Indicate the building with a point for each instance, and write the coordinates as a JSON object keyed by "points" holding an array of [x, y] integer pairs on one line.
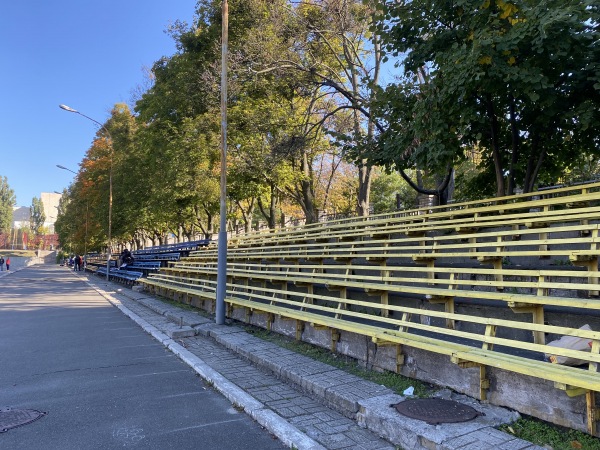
{"points": [[50, 200], [22, 214]]}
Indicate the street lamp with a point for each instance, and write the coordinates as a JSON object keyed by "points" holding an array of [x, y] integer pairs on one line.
{"points": [[222, 249], [65, 168], [110, 196]]}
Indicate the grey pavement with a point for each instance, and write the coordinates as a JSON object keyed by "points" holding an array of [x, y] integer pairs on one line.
{"points": [[102, 380], [16, 263], [306, 404]]}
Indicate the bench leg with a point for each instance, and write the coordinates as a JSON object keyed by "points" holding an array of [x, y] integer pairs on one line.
{"points": [[537, 313], [484, 382], [591, 264], [593, 413], [335, 338], [299, 329], [399, 354]]}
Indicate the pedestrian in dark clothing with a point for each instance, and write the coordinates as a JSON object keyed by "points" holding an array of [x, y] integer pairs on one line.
{"points": [[126, 258], [1, 263], [77, 267]]}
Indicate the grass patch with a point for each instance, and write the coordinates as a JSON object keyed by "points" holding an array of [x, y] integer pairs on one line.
{"points": [[545, 434], [398, 383], [186, 307]]}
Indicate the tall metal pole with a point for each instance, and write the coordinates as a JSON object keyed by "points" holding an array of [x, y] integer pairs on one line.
{"points": [[110, 196], [87, 215], [222, 251]]}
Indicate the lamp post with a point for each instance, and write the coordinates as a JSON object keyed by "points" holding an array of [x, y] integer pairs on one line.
{"points": [[65, 168], [110, 196], [222, 250]]}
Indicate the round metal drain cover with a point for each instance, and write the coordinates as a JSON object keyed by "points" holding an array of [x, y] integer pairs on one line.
{"points": [[13, 418], [436, 410]]}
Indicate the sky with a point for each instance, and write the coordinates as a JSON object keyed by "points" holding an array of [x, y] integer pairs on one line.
{"points": [[87, 55]]}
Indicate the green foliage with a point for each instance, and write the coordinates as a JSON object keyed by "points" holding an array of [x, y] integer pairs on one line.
{"points": [[544, 434], [7, 201], [518, 78], [37, 216], [384, 190]]}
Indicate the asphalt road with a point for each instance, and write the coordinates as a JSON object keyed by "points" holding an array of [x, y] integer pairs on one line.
{"points": [[103, 381]]}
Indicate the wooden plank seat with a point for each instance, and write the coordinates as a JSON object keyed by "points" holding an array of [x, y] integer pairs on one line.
{"points": [[295, 301], [169, 256], [96, 261], [319, 312], [124, 276], [180, 247], [417, 280], [520, 223], [101, 270], [146, 267], [476, 211], [180, 289], [484, 246], [369, 275], [524, 291]]}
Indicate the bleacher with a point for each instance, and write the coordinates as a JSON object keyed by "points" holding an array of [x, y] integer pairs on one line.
{"points": [[146, 261], [418, 279], [128, 277]]}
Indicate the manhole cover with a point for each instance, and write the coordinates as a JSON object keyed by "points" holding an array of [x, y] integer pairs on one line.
{"points": [[12, 418], [436, 410]]}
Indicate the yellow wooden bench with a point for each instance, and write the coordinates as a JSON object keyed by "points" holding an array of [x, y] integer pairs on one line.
{"points": [[341, 314], [575, 198], [312, 275]]}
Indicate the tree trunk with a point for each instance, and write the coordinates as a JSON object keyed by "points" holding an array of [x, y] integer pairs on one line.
{"points": [[498, 168], [308, 192], [270, 215], [273, 209], [515, 147], [534, 163], [364, 190]]}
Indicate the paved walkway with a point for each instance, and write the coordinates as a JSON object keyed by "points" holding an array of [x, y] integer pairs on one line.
{"points": [[99, 379], [305, 403], [16, 263]]}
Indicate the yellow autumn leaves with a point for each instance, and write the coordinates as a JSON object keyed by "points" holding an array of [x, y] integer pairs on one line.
{"points": [[507, 11]]}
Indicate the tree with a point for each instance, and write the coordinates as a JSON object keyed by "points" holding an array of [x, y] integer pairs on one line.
{"points": [[520, 79], [7, 202], [390, 191], [333, 46], [36, 216]]}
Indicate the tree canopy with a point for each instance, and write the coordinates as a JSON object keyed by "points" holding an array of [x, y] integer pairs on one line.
{"points": [[518, 79], [7, 202], [489, 96], [36, 216]]}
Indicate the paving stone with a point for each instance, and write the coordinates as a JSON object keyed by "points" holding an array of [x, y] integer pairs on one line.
{"points": [[280, 380]]}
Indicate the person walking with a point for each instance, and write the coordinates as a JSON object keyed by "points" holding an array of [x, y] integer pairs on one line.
{"points": [[7, 263], [77, 267], [1, 263]]}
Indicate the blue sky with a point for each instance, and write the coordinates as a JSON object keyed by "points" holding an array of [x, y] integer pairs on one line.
{"points": [[87, 55]]}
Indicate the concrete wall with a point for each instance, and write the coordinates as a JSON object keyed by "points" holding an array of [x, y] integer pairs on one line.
{"points": [[525, 394]]}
